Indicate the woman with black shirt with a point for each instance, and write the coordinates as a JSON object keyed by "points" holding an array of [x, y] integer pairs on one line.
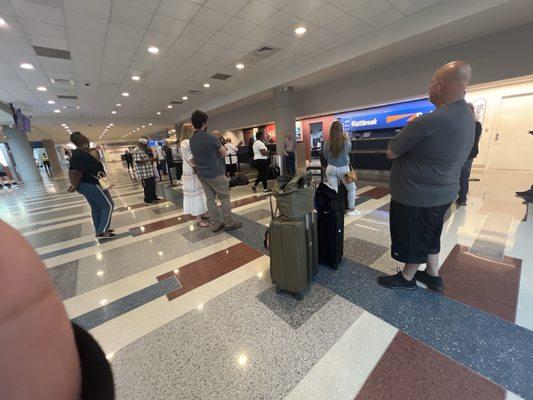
{"points": [[83, 174]]}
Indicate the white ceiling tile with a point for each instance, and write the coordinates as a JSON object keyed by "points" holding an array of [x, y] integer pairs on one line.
{"points": [[125, 31], [262, 34], [211, 49], [234, 54], [147, 5], [280, 21], [317, 35], [412, 6], [282, 40], [377, 13], [43, 29], [167, 25], [256, 12], [246, 45], [187, 44], [118, 43], [131, 16], [158, 39], [77, 39], [238, 27], [228, 7], [211, 19], [46, 41], [197, 32], [51, 65], [333, 42], [346, 5], [95, 8], [325, 15], [202, 59], [6, 9], [349, 27], [302, 8], [84, 22], [38, 12], [180, 9], [276, 3], [224, 39]]}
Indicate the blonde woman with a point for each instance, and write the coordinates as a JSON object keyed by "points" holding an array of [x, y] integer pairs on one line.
{"points": [[337, 153], [194, 201]]}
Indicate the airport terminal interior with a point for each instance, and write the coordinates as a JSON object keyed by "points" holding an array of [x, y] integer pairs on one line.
{"points": [[179, 311]]}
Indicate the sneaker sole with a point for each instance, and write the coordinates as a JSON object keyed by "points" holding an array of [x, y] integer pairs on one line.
{"points": [[398, 287]]}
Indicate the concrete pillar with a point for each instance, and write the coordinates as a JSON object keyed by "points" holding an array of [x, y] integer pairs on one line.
{"points": [[285, 116], [51, 152], [22, 154]]}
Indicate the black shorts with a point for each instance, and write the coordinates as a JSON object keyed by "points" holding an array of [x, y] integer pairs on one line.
{"points": [[415, 231]]}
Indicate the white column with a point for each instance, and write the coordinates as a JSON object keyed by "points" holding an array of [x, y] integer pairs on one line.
{"points": [[51, 152], [285, 117], [22, 154]]}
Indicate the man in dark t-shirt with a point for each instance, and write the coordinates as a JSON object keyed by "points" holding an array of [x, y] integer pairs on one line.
{"points": [[467, 167], [208, 155]]}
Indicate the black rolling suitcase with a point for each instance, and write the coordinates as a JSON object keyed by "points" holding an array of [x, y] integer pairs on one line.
{"points": [[330, 225]]}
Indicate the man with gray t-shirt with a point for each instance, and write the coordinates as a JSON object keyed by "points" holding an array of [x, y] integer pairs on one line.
{"points": [[208, 154], [428, 156]]}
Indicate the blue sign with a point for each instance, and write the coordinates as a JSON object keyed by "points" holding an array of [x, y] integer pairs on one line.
{"points": [[389, 116]]}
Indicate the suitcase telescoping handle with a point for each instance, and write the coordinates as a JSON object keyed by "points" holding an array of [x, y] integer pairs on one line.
{"points": [[266, 239]]}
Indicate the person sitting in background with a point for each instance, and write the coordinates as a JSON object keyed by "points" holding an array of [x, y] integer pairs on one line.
{"points": [[231, 158], [260, 161], [337, 154], [428, 155], [208, 154], [144, 168], [194, 200], [290, 157], [83, 174], [467, 167]]}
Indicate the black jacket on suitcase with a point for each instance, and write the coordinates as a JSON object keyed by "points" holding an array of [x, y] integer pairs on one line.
{"points": [[330, 223]]}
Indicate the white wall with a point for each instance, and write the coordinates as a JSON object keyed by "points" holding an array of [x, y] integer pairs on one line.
{"points": [[497, 56]]}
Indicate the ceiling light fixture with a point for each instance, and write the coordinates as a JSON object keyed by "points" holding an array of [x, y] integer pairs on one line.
{"points": [[57, 110], [143, 126], [111, 124], [150, 124], [113, 112], [63, 125], [207, 85], [239, 66], [51, 102], [136, 78], [185, 98], [169, 106], [3, 23], [42, 88], [300, 30], [26, 66], [158, 113], [118, 104], [153, 50], [125, 94]]}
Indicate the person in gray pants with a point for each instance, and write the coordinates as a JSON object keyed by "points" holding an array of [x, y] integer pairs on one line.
{"points": [[208, 158]]}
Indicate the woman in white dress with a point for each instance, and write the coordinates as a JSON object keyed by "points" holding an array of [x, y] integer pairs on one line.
{"points": [[194, 202]]}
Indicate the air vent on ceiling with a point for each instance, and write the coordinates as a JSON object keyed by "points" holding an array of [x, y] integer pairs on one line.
{"points": [[52, 53], [176, 102], [265, 51], [221, 77], [67, 97], [193, 91], [61, 81]]}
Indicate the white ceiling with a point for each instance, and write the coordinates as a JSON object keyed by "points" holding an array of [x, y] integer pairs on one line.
{"points": [[108, 42]]}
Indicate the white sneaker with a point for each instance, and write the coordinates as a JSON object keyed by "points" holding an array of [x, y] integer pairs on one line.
{"points": [[354, 213]]}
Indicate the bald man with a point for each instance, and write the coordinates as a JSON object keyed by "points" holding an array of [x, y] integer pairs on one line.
{"points": [[428, 155]]}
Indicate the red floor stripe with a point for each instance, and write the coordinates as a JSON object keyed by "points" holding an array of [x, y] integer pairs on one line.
{"points": [[487, 284], [377, 193], [200, 272], [411, 370]]}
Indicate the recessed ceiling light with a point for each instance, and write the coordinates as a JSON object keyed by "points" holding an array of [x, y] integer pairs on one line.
{"points": [[185, 98], [63, 124], [206, 85], [153, 50], [3, 22], [138, 129], [42, 88], [136, 78], [78, 107], [239, 66], [143, 126], [113, 112], [158, 113], [57, 110], [169, 106], [300, 30], [26, 66], [125, 94], [118, 104], [51, 102], [150, 124], [111, 124]]}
